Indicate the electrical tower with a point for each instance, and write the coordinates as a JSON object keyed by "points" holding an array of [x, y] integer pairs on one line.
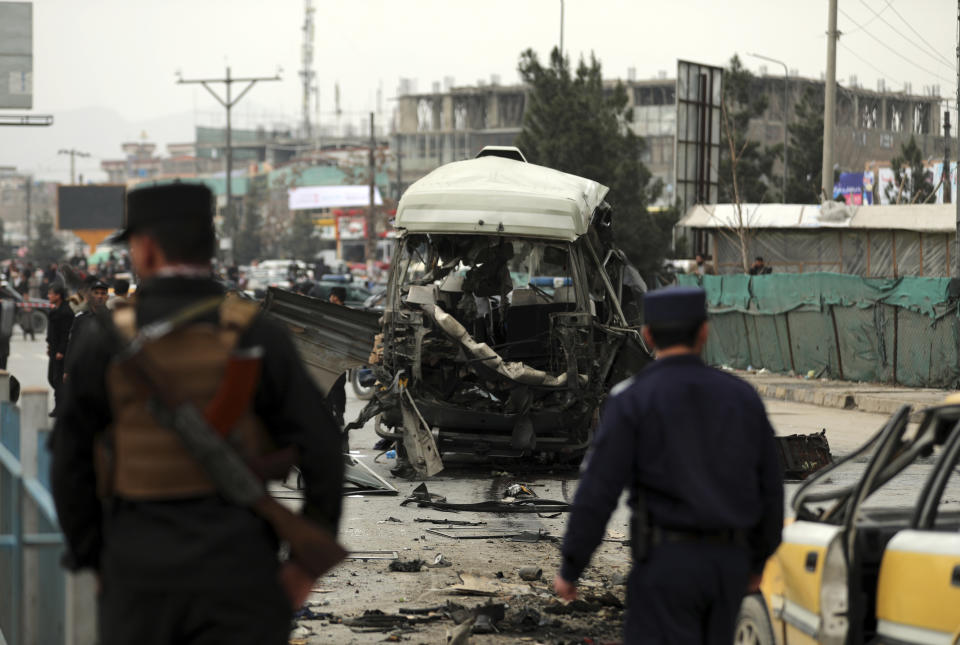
{"points": [[307, 75]]}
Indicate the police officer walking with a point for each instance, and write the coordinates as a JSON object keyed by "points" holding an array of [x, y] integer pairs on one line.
{"points": [[694, 448], [176, 560]]}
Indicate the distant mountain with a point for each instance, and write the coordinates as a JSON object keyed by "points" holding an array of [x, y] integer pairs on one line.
{"points": [[97, 130]]}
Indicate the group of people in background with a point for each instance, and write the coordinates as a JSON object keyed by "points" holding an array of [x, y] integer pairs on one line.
{"points": [[705, 267]]}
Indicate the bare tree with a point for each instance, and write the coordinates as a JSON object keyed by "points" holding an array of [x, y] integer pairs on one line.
{"points": [[739, 227]]}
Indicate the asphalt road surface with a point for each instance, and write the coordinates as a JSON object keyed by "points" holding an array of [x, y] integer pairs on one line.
{"points": [[378, 522]]}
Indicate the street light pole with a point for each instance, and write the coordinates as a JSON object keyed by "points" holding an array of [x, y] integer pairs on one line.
{"points": [[561, 28], [786, 120], [829, 104], [228, 103]]}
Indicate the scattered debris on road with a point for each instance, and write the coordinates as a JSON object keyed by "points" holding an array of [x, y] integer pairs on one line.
{"points": [[407, 566], [424, 499]]}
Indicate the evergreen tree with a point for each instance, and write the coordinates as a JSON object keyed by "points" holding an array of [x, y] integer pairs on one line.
{"points": [[912, 182], [46, 247], [576, 125], [743, 100], [806, 150], [303, 243], [249, 243]]}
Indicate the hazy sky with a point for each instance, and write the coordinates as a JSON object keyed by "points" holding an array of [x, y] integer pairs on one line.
{"points": [[123, 54]]}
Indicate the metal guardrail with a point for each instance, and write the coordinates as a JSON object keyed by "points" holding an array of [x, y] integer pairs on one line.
{"points": [[40, 603], [14, 496]]}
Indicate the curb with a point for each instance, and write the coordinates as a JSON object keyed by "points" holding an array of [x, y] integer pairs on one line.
{"points": [[839, 399]]}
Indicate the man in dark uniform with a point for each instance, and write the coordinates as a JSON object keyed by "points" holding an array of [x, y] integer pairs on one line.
{"points": [[696, 450], [59, 322], [94, 292], [177, 562]]}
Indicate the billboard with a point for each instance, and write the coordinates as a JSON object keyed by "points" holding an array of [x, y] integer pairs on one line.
{"points": [[697, 158], [16, 55], [91, 208], [339, 196]]}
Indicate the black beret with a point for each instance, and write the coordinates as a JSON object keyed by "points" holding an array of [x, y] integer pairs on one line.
{"points": [[675, 305], [167, 202]]}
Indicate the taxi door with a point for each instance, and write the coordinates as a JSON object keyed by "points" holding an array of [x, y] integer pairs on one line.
{"points": [[802, 556], [918, 592]]}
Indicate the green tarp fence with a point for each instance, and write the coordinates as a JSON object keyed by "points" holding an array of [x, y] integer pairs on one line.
{"points": [[900, 330]]}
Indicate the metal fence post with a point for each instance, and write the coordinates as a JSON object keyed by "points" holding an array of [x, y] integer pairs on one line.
{"points": [[33, 418], [81, 609]]}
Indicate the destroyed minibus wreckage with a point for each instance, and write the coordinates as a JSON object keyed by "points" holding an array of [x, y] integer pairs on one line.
{"points": [[509, 315]]}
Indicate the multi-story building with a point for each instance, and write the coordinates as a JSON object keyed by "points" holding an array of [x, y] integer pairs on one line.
{"points": [[21, 199], [441, 126]]}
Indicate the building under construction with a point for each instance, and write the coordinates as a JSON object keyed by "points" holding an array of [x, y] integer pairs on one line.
{"points": [[454, 123]]}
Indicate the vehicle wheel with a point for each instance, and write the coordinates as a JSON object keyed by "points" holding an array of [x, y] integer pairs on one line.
{"points": [[39, 321], [363, 393], [753, 623]]}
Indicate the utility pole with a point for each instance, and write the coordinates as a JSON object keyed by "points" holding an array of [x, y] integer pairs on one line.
{"points": [[228, 103], [306, 72], [786, 120], [829, 105], [73, 161], [29, 206], [945, 175], [371, 250], [561, 28]]}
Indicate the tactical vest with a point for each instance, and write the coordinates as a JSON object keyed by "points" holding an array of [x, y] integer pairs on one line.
{"points": [[149, 461]]}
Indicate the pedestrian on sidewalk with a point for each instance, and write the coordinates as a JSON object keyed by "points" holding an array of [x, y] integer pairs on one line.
{"points": [[8, 314], [695, 450], [177, 562], [59, 322]]}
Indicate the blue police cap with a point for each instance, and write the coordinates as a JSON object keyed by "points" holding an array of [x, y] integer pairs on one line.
{"points": [[675, 306]]}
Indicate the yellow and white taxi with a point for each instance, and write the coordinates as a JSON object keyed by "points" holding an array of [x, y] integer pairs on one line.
{"points": [[873, 554]]}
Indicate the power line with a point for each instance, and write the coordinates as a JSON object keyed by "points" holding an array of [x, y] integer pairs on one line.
{"points": [[935, 56], [868, 63], [894, 51], [869, 22], [910, 27]]}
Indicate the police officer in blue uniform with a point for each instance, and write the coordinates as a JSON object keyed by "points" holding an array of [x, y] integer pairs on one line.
{"points": [[695, 449]]}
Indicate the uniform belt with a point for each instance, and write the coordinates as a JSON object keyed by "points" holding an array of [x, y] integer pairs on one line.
{"points": [[733, 537]]}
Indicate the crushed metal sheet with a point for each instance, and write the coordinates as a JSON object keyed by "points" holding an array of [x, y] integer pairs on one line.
{"points": [[358, 479], [471, 533], [373, 555], [529, 536], [365, 479], [472, 584], [424, 499], [427, 520]]}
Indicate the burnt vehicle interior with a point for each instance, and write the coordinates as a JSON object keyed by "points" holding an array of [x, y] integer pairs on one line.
{"points": [[896, 457], [506, 344]]}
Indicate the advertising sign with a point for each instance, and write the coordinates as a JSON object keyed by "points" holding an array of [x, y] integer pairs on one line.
{"points": [[697, 158], [16, 55]]}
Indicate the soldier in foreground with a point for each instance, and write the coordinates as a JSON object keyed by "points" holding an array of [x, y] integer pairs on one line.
{"points": [[695, 449], [177, 560]]}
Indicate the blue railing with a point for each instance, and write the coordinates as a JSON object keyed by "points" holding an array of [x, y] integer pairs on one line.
{"points": [[33, 587]]}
